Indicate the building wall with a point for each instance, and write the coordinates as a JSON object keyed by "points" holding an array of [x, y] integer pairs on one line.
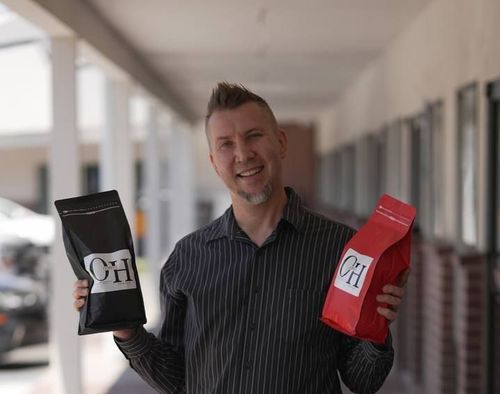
{"points": [[18, 173], [19, 166], [452, 43], [299, 164]]}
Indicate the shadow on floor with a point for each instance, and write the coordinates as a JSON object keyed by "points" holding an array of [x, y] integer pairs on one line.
{"points": [[130, 383]]}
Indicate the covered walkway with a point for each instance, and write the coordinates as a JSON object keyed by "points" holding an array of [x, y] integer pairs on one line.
{"points": [[389, 96]]}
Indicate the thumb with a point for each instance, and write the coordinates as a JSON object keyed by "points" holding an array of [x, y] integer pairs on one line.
{"points": [[403, 278]]}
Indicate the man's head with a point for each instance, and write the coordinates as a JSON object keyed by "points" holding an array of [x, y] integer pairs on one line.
{"points": [[230, 96], [246, 145]]}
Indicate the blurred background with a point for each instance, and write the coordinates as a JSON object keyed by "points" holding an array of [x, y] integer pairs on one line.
{"points": [[385, 96]]}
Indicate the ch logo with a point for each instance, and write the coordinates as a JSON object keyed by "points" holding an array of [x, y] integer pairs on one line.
{"points": [[110, 271], [352, 271], [101, 273]]}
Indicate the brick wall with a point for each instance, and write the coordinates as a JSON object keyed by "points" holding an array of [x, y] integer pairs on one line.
{"points": [[414, 315], [438, 351], [496, 365], [469, 322]]}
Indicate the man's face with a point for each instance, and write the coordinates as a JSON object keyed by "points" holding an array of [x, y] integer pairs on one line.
{"points": [[246, 149]]}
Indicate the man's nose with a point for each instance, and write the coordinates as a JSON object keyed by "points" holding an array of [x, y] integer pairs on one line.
{"points": [[243, 152]]}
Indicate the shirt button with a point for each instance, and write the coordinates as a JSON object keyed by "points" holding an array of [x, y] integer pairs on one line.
{"points": [[252, 326]]}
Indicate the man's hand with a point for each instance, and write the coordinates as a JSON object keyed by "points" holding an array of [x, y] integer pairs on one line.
{"points": [[80, 293], [392, 296]]}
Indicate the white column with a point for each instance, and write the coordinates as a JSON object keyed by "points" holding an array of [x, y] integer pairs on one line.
{"points": [[181, 171], [64, 176], [164, 154], [116, 153], [153, 207]]}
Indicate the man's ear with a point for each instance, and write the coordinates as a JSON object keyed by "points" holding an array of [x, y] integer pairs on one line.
{"points": [[212, 161], [283, 141]]}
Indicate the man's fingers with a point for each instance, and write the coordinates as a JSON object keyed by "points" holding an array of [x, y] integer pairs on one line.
{"points": [[81, 283], [392, 297], [78, 304], [390, 300], [403, 278], [389, 314], [394, 290], [80, 292]]}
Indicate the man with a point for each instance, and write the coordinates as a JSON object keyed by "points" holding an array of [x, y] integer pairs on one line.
{"points": [[241, 297]]}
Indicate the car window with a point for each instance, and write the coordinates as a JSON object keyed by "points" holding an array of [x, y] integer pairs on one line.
{"points": [[10, 210]]}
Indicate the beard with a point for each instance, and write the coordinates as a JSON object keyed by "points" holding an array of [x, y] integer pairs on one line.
{"points": [[257, 198]]}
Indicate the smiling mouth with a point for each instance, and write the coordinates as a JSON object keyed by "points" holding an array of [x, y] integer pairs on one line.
{"points": [[250, 172]]}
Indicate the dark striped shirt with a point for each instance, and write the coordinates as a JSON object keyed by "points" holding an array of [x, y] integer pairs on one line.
{"points": [[238, 318]]}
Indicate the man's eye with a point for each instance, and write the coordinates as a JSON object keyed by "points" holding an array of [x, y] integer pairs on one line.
{"points": [[254, 135], [225, 144]]}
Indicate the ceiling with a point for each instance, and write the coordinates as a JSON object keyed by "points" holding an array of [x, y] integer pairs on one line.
{"points": [[299, 55], [16, 31]]}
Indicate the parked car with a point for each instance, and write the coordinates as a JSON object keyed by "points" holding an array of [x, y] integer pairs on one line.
{"points": [[23, 312], [25, 240], [19, 256], [17, 220]]}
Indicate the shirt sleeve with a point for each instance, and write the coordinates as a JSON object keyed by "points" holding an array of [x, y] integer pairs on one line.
{"points": [[363, 365], [159, 360]]}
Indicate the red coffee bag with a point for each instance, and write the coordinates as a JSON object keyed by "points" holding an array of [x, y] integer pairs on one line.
{"points": [[374, 257]]}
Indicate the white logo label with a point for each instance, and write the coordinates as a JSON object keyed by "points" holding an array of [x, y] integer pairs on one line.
{"points": [[352, 272], [110, 271]]}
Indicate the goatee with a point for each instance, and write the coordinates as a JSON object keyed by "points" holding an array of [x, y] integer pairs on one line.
{"points": [[257, 198]]}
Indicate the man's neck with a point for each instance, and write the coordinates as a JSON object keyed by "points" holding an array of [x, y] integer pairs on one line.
{"points": [[259, 221]]}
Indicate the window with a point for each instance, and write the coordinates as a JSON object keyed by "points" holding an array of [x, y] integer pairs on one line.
{"points": [[43, 191], [435, 114], [348, 178], [422, 125], [376, 169], [90, 179], [467, 165], [325, 179], [380, 165], [393, 160], [415, 171], [369, 155], [493, 245], [337, 179], [361, 177], [427, 137]]}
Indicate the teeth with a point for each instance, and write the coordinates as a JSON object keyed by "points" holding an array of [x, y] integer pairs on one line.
{"points": [[250, 172]]}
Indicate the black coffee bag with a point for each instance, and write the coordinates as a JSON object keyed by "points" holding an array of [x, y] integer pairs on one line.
{"points": [[99, 247]]}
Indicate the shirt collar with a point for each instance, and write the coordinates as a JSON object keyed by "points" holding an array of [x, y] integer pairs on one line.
{"points": [[294, 210], [293, 214]]}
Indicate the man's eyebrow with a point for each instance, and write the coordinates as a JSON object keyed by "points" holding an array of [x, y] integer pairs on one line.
{"points": [[228, 137], [223, 137], [252, 130]]}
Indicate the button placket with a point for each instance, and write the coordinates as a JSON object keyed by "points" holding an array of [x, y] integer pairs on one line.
{"points": [[255, 288]]}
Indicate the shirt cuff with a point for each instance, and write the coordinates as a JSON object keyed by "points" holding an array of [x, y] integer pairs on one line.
{"points": [[136, 346], [372, 347]]}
